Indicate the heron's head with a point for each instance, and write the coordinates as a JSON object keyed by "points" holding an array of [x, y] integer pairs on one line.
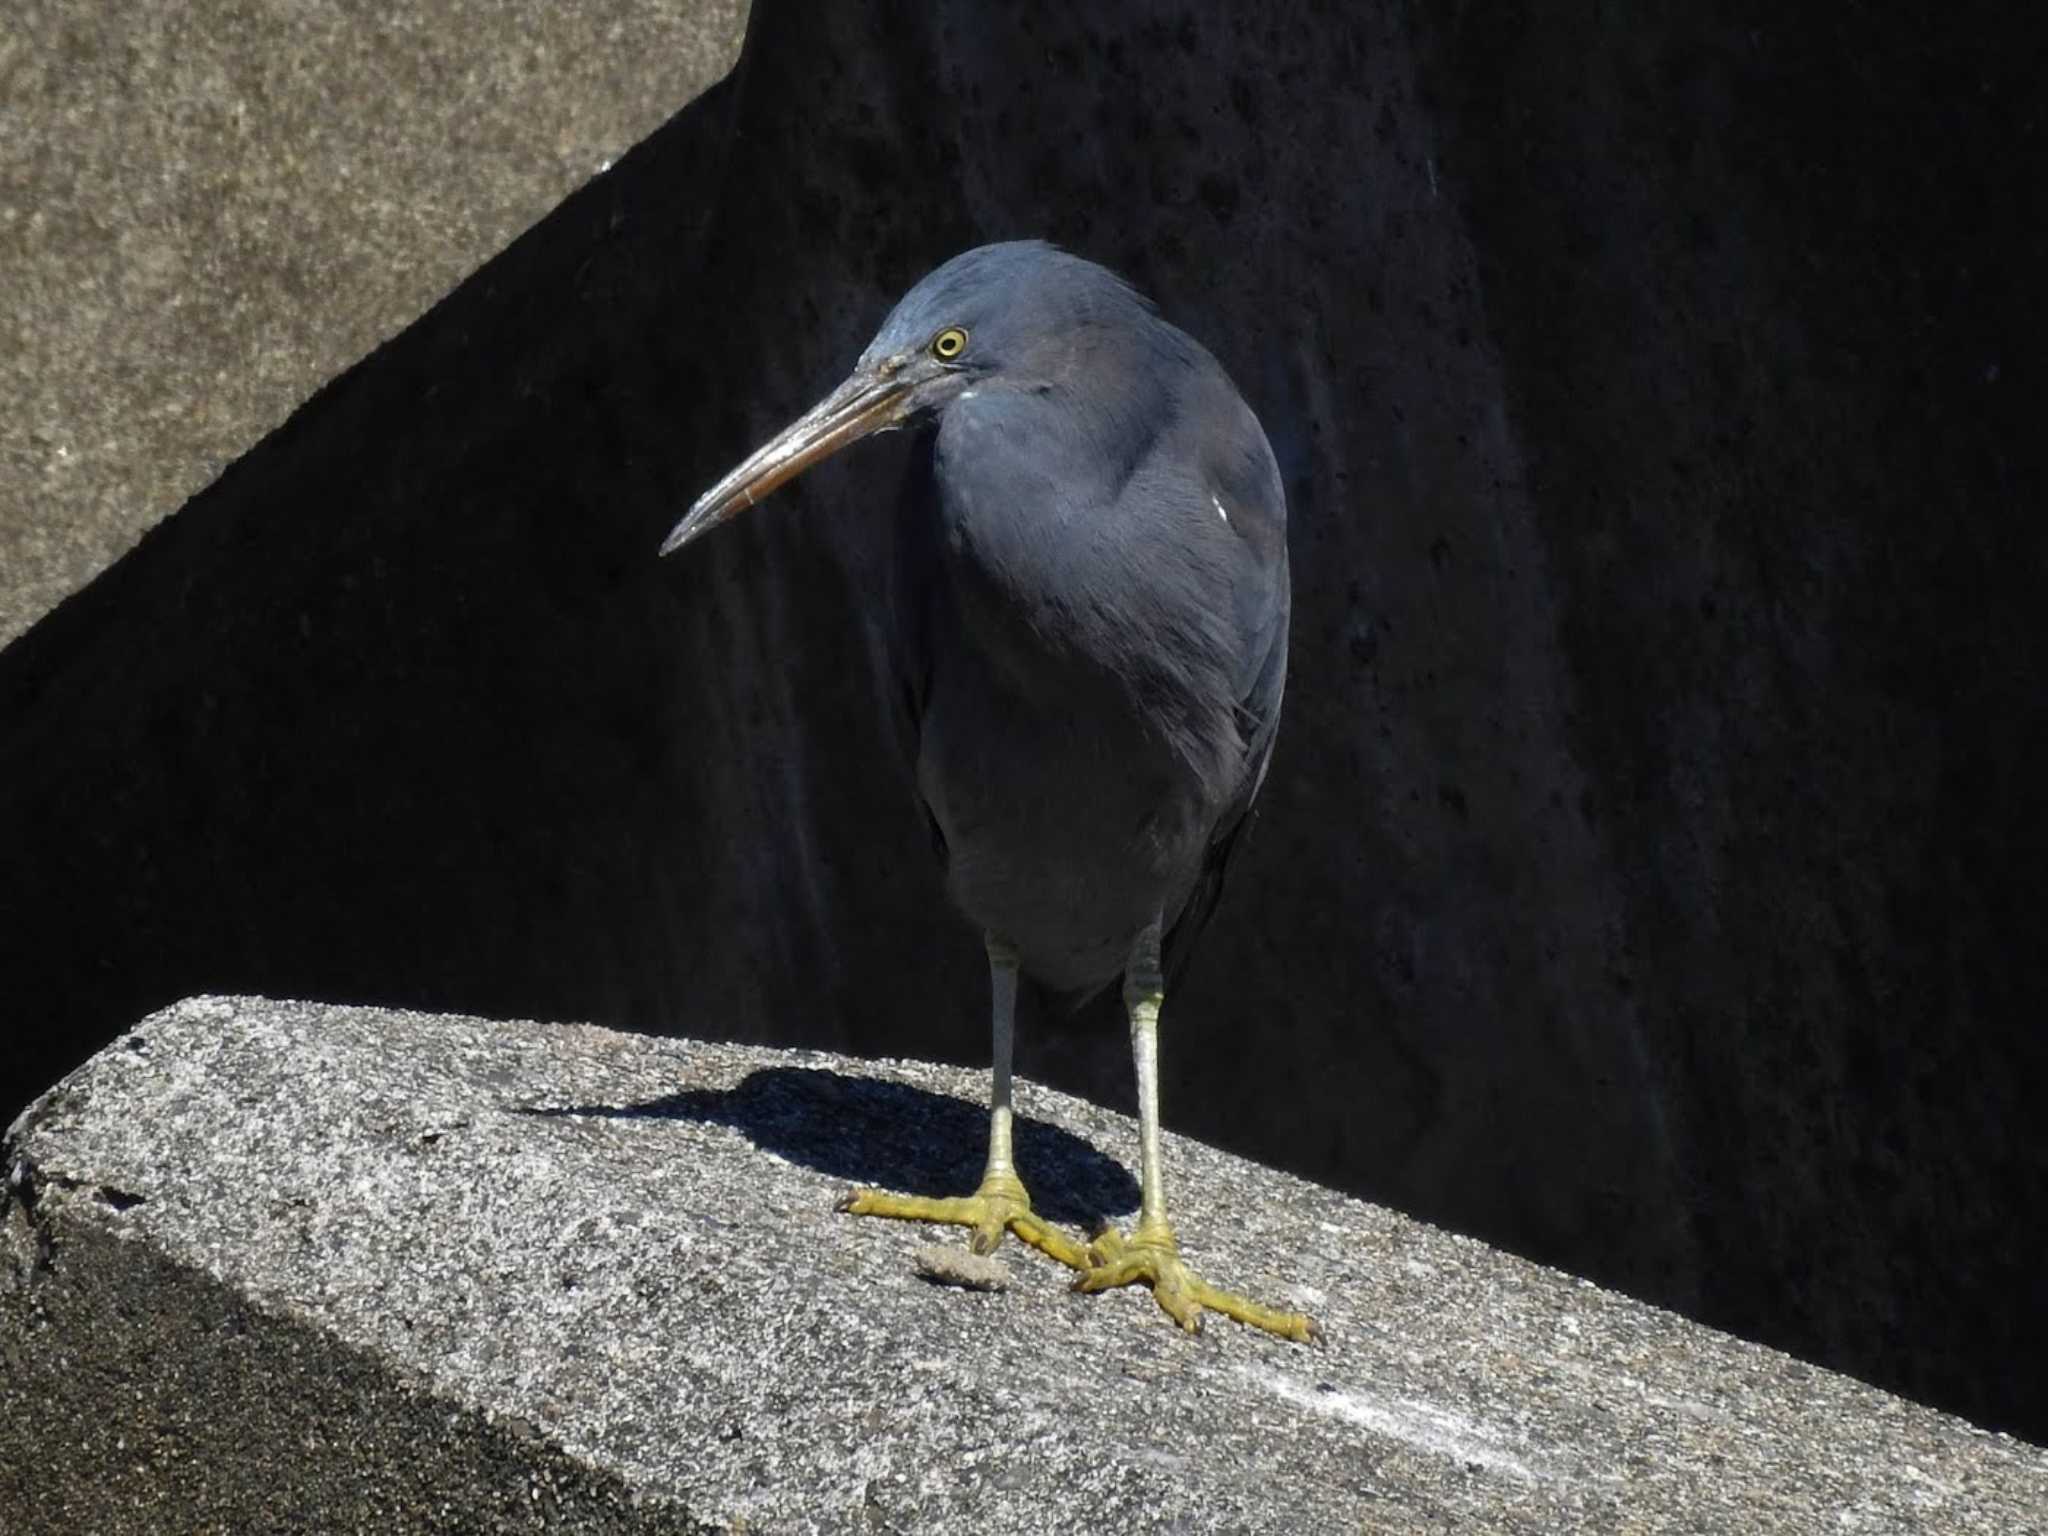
{"points": [[995, 311]]}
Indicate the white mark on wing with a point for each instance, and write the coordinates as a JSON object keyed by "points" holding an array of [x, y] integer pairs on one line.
{"points": [[1219, 509]]}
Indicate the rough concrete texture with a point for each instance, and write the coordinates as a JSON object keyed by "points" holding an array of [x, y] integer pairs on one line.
{"points": [[207, 210], [271, 1264], [1648, 876]]}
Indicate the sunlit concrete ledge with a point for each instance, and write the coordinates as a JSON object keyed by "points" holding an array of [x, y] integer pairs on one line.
{"points": [[282, 1265]]}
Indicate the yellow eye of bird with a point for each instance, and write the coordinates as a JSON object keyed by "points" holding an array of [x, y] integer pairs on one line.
{"points": [[949, 343]]}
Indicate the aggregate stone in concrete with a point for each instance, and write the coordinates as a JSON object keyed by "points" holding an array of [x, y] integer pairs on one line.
{"points": [[274, 1265]]}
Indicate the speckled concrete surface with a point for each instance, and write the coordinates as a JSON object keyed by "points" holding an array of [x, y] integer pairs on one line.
{"points": [[208, 209], [474, 1275]]}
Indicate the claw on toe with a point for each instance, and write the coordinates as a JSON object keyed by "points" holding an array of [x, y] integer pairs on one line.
{"points": [[1150, 1256]]}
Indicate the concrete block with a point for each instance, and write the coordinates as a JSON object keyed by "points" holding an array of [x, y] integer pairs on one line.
{"points": [[281, 1265], [207, 211]]}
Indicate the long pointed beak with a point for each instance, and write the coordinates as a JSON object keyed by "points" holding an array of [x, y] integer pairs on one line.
{"points": [[867, 402]]}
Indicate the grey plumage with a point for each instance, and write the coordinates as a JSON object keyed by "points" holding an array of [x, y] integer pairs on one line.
{"points": [[1090, 610]]}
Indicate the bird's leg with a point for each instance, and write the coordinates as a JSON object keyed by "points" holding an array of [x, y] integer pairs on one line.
{"points": [[1000, 1203], [1150, 1254]]}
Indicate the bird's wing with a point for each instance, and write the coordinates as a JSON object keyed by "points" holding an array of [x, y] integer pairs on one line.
{"points": [[1252, 502]]}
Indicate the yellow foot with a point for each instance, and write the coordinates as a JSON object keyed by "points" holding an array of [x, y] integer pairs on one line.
{"points": [[1152, 1256], [1000, 1205]]}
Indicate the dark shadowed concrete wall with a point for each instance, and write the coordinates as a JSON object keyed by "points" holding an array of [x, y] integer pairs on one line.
{"points": [[1645, 877]]}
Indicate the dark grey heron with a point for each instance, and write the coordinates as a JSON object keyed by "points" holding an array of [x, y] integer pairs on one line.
{"points": [[1090, 633]]}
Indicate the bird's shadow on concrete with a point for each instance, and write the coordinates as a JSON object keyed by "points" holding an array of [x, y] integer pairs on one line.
{"points": [[889, 1135]]}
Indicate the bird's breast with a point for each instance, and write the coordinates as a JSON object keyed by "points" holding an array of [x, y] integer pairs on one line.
{"points": [[1068, 824]]}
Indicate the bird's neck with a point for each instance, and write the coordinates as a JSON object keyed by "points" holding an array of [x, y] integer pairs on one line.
{"points": [[1023, 486]]}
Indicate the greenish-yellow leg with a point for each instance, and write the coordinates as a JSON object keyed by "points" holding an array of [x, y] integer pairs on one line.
{"points": [[1150, 1255], [1000, 1203]]}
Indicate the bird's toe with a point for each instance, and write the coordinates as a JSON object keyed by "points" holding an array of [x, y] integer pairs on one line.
{"points": [[1150, 1256], [1000, 1205]]}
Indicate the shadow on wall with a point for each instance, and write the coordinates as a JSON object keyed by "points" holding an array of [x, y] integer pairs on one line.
{"points": [[1640, 876]]}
